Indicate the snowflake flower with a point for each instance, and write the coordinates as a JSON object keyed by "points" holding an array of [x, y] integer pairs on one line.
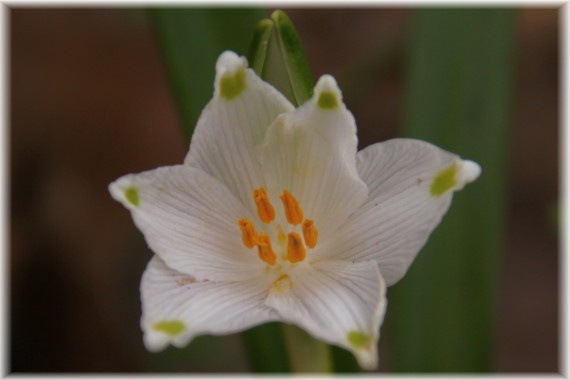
{"points": [[274, 216]]}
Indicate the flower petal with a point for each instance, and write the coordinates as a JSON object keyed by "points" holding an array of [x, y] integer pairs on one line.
{"points": [[190, 220], [312, 154], [411, 184], [177, 307], [338, 302], [234, 121]]}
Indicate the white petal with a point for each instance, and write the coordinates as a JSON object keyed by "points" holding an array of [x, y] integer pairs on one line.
{"points": [[177, 307], [312, 154], [190, 220], [338, 302], [411, 185], [229, 128]]}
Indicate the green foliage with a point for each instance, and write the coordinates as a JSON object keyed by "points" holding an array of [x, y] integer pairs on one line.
{"points": [[441, 315], [279, 58]]}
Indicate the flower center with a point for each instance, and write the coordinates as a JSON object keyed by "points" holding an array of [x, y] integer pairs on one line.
{"points": [[293, 247]]}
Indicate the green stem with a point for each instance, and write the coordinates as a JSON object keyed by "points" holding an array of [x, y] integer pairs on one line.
{"points": [[306, 354]]}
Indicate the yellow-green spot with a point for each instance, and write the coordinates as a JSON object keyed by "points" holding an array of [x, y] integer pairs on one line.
{"points": [[444, 181], [132, 195], [171, 328], [232, 85], [359, 339], [327, 100]]}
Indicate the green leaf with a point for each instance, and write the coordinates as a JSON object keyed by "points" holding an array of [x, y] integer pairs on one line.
{"points": [[278, 57], [442, 314], [257, 54], [190, 40]]}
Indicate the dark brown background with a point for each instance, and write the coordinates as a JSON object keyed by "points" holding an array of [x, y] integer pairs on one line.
{"points": [[89, 102]]}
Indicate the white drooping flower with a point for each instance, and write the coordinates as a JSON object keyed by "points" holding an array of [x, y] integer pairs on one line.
{"points": [[274, 216]]}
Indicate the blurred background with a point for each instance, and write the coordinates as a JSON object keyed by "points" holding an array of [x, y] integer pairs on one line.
{"points": [[90, 101]]}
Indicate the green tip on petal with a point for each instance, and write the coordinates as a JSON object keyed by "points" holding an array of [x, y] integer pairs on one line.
{"points": [[327, 100], [232, 85], [170, 328], [444, 181], [359, 339], [132, 195]]}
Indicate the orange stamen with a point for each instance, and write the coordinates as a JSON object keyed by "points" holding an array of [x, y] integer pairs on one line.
{"points": [[264, 208], [248, 234], [264, 249], [293, 211], [310, 233], [295, 248]]}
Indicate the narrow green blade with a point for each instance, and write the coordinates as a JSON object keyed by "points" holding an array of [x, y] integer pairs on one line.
{"points": [[442, 314], [191, 39], [257, 54], [285, 65]]}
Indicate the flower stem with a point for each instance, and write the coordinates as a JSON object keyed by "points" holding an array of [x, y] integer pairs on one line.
{"points": [[306, 354]]}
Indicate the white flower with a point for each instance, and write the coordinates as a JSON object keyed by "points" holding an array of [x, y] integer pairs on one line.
{"points": [[274, 216]]}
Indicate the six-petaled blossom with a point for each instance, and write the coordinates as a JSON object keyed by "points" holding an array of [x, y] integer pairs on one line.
{"points": [[274, 216]]}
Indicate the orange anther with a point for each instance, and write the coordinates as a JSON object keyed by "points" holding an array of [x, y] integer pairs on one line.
{"points": [[264, 208], [293, 211], [264, 249], [295, 248], [248, 234], [310, 233]]}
